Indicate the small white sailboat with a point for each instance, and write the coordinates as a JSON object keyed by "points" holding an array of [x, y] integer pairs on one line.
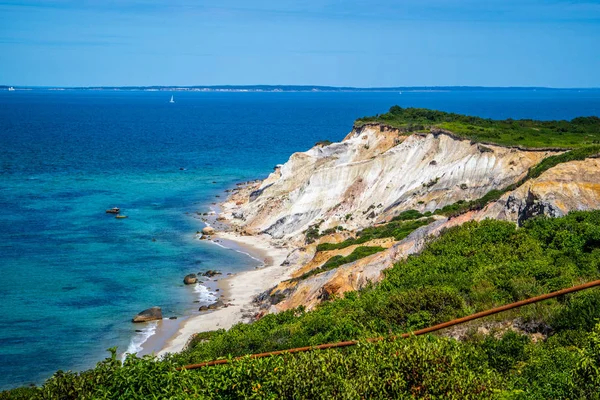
{"points": [[11, 89], [171, 101]]}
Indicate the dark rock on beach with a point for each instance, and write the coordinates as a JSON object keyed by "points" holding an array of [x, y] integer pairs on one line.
{"points": [[210, 273], [150, 314], [215, 305], [190, 279]]}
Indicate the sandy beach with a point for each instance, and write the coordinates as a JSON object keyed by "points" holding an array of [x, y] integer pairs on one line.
{"points": [[238, 290]]}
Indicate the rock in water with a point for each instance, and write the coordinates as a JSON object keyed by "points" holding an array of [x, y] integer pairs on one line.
{"points": [[190, 279], [150, 314], [208, 230]]}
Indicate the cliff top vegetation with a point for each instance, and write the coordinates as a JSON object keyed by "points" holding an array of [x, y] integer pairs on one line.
{"points": [[577, 132]]}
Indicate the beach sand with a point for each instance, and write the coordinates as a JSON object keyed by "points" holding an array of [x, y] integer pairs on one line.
{"points": [[239, 289]]}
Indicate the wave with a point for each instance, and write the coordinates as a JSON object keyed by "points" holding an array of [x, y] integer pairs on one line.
{"points": [[204, 295], [140, 338]]}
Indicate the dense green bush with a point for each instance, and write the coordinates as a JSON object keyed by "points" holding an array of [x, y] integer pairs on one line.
{"points": [[411, 214], [530, 133], [485, 264], [476, 266], [417, 367]]}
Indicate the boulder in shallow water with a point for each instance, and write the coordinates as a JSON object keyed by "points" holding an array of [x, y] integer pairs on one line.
{"points": [[208, 230], [210, 273], [150, 314], [190, 279]]}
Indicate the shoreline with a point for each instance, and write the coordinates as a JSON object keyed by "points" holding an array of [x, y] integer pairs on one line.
{"points": [[238, 290]]}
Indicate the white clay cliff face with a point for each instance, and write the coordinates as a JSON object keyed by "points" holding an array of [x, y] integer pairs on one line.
{"points": [[374, 175]]}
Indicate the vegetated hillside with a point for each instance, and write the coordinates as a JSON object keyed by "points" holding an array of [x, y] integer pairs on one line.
{"points": [[469, 268], [353, 189], [565, 181], [527, 133]]}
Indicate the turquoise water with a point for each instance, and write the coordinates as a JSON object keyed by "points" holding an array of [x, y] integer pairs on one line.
{"points": [[72, 276]]}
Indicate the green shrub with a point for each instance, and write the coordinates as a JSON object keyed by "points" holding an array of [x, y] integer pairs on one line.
{"points": [[468, 268], [407, 215], [395, 229], [530, 133]]}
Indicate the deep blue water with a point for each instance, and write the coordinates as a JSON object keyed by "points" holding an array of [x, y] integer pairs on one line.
{"points": [[71, 276]]}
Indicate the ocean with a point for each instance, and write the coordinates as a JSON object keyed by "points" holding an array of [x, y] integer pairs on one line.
{"points": [[72, 276]]}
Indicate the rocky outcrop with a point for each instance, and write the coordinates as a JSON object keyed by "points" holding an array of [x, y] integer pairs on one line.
{"points": [[149, 314], [371, 176], [190, 279], [570, 186], [208, 230]]}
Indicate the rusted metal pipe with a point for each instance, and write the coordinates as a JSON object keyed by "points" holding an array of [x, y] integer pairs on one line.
{"points": [[434, 328]]}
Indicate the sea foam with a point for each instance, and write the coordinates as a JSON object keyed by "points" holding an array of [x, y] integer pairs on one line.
{"points": [[205, 297], [135, 345]]}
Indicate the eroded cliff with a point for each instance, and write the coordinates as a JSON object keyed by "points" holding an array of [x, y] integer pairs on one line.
{"points": [[373, 175]]}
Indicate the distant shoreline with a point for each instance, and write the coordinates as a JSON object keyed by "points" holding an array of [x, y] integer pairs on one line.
{"points": [[288, 88]]}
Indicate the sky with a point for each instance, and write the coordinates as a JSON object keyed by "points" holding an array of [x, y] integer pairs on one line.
{"points": [[361, 43]]}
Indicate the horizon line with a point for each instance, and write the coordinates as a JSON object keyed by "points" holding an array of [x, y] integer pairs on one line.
{"points": [[282, 86]]}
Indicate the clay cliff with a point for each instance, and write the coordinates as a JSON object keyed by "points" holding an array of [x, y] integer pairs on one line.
{"points": [[373, 175]]}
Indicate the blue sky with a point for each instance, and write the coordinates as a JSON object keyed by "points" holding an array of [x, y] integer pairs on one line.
{"points": [[361, 43]]}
